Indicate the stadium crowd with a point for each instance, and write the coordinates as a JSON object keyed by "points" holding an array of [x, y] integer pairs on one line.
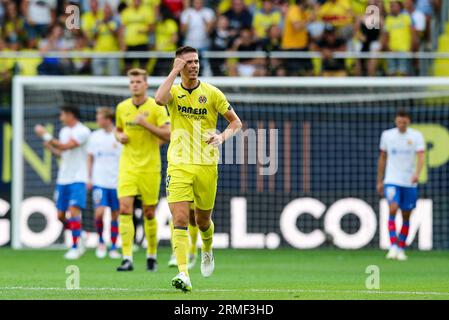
{"points": [[326, 26]]}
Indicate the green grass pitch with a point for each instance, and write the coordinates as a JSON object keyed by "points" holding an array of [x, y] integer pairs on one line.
{"points": [[239, 274]]}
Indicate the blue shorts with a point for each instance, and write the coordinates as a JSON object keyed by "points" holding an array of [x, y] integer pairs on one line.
{"points": [[404, 197], [104, 197], [70, 195]]}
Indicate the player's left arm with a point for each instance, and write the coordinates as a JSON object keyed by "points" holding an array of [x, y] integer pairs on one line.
{"points": [[420, 153], [233, 127], [419, 166]]}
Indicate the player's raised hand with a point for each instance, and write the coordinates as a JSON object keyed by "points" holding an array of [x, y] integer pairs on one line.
{"points": [[40, 130], [215, 139], [179, 64]]}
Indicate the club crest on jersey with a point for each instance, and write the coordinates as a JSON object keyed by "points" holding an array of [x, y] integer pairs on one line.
{"points": [[146, 114], [202, 99]]}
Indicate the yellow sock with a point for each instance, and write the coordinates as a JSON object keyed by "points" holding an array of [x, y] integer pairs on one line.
{"points": [[150, 226], [171, 237], [207, 237], [181, 247], [127, 234], [193, 232]]}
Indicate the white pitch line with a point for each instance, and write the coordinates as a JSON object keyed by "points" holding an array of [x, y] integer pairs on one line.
{"points": [[324, 291]]}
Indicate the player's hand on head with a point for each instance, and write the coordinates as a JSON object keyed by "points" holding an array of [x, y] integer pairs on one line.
{"points": [[179, 64], [215, 139], [40, 130]]}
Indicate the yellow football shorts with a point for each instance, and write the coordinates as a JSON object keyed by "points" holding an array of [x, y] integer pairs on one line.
{"points": [[190, 182], [147, 185]]}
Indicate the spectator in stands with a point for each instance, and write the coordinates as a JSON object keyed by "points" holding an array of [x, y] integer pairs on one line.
{"points": [[273, 41], [13, 27], [70, 35], [428, 7], [39, 16], [339, 14], [368, 36], [315, 26], [53, 42], [239, 17], [265, 18], [247, 67], [28, 66], [82, 65], [166, 39], [89, 20], [220, 41], [197, 23], [138, 22], [225, 5], [2, 10], [418, 20], [106, 38], [176, 6], [295, 38], [398, 36], [328, 46], [6, 72]]}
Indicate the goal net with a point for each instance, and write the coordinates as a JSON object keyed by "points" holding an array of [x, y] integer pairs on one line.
{"points": [[302, 173]]}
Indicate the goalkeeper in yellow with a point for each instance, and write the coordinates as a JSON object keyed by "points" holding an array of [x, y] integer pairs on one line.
{"points": [[141, 124], [192, 171]]}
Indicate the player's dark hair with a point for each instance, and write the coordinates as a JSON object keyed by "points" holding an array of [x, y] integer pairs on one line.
{"points": [[73, 110], [403, 114], [185, 49]]}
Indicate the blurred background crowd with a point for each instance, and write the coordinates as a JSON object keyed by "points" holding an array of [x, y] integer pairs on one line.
{"points": [[260, 26]]}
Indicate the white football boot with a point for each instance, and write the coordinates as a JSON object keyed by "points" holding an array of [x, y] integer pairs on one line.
{"points": [[401, 256], [101, 251], [172, 262], [182, 282], [207, 263], [393, 252], [72, 254]]}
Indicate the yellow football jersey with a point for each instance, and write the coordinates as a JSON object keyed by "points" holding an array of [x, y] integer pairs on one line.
{"points": [[141, 153], [193, 114]]}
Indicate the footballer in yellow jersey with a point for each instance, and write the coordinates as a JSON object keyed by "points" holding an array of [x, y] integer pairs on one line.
{"points": [[141, 124], [192, 169]]}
